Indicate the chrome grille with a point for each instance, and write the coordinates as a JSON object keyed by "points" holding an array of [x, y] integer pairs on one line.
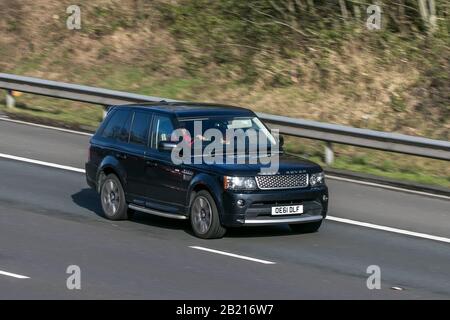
{"points": [[280, 181]]}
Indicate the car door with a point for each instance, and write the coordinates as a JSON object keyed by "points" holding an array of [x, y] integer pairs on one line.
{"points": [[132, 154], [165, 182], [110, 132]]}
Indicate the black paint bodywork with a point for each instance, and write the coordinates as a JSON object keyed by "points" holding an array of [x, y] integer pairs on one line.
{"points": [[150, 179]]}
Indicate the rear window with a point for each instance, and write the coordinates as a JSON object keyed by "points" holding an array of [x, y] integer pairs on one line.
{"points": [[140, 128], [115, 124]]}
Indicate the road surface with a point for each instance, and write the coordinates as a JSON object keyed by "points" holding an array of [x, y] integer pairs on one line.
{"points": [[50, 219]]}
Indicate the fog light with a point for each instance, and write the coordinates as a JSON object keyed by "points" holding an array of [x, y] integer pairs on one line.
{"points": [[240, 203], [325, 198]]}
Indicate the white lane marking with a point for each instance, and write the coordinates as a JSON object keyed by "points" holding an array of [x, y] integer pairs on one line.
{"points": [[384, 186], [343, 220], [14, 275], [46, 127], [389, 229], [232, 255], [41, 163]]}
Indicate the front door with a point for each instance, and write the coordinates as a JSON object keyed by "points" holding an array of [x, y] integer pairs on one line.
{"points": [[165, 184]]}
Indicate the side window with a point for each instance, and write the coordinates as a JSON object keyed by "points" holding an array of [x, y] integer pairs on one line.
{"points": [[140, 128], [161, 131], [114, 125], [124, 133]]}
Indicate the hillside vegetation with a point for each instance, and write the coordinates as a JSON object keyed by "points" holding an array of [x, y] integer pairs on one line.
{"points": [[310, 59]]}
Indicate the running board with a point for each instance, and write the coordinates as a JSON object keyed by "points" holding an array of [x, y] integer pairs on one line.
{"points": [[157, 213]]}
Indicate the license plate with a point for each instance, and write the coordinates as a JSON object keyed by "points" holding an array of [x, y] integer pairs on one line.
{"points": [[281, 210]]}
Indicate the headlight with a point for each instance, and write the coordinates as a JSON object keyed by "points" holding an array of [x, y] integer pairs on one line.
{"points": [[239, 183], [316, 179]]}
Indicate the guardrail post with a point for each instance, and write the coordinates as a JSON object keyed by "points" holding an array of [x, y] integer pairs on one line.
{"points": [[10, 101], [329, 154]]}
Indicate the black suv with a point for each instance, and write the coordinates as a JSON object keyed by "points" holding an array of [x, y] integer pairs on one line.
{"points": [[131, 166]]}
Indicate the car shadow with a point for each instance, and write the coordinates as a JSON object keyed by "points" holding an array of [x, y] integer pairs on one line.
{"points": [[89, 199]]}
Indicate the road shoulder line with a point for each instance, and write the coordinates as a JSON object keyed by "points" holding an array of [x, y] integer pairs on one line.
{"points": [[45, 126], [389, 229], [41, 163], [388, 187]]}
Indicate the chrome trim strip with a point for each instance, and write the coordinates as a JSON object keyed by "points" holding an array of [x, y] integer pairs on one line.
{"points": [[283, 220], [284, 188], [157, 213]]}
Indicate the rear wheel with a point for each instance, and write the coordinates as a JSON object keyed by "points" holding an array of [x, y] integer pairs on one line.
{"points": [[204, 217], [113, 198], [310, 227]]}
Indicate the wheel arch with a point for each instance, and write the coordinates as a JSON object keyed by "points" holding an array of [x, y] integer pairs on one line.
{"points": [[110, 165], [209, 184]]}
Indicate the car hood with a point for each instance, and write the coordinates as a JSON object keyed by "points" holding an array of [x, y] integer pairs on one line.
{"points": [[287, 164]]}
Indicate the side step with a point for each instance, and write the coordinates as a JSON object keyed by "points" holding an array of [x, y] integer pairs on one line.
{"points": [[157, 213]]}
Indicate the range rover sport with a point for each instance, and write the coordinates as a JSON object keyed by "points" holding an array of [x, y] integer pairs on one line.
{"points": [[131, 165]]}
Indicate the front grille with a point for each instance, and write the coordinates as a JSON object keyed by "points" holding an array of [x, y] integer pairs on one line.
{"points": [[282, 181]]}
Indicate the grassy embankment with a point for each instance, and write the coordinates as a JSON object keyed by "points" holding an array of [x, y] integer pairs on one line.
{"points": [[249, 54]]}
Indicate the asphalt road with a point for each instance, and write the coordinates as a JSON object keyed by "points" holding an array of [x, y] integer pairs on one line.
{"points": [[49, 219]]}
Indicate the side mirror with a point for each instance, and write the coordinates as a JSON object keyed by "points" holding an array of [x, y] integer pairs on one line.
{"points": [[166, 145]]}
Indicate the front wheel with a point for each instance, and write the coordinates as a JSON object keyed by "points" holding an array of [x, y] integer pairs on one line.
{"points": [[310, 227], [204, 217]]}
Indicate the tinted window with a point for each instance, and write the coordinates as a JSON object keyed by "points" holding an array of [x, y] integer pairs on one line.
{"points": [[124, 133], [140, 128], [162, 130], [114, 125]]}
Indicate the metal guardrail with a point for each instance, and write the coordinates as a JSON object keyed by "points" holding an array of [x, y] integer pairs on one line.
{"points": [[330, 133], [366, 138], [70, 91]]}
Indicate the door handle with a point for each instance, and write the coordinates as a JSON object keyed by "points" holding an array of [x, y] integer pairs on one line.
{"points": [[151, 163], [121, 156]]}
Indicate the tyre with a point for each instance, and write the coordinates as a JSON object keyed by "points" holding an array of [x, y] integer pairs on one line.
{"points": [[113, 198], [310, 227], [204, 217]]}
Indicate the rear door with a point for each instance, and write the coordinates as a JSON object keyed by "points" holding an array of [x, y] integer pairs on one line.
{"points": [[134, 143], [107, 139], [104, 142]]}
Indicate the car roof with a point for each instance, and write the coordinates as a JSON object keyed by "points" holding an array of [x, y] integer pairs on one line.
{"points": [[191, 109]]}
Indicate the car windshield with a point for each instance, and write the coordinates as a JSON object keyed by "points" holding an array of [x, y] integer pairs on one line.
{"points": [[245, 131]]}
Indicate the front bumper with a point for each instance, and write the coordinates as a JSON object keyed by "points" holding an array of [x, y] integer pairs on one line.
{"points": [[303, 218], [257, 206]]}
